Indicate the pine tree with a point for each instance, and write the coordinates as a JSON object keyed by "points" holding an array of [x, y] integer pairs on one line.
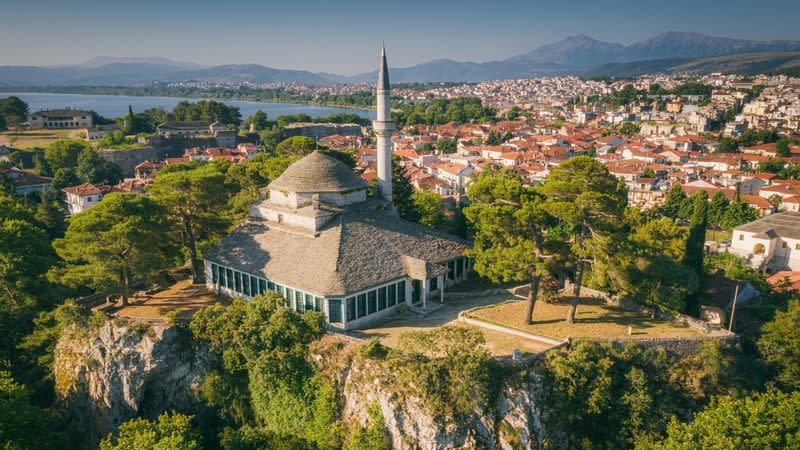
{"points": [[693, 256]]}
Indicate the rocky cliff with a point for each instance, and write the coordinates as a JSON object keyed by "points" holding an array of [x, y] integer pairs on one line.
{"points": [[123, 370], [513, 421]]}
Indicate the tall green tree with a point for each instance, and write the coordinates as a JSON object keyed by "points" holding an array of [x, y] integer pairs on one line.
{"points": [[716, 209], [63, 154], [402, 192], [22, 425], [779, 344], [169, 432], [582, 193], [120, 240], [14, 111], [130, 122], [195, 201], [510, 231], [737, 213], [693, 255], [92, 168], [430, 206], [673, 202], [759, 422], [296, 146]]}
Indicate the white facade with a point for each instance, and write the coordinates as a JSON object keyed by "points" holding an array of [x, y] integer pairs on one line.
{"points": [[767, 248]]}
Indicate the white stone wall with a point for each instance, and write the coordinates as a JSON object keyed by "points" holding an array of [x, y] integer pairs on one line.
{"points": [[344, 199]]}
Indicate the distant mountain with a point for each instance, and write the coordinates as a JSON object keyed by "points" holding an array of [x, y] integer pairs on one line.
{"points": [[573, 51], [675, 44], [130, 73], [448, 70], [99, 61], [579, 54], [744, 63], [573, 55]]}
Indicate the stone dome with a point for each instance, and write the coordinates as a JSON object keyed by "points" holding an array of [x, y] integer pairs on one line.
{"points": [[318, 172]]}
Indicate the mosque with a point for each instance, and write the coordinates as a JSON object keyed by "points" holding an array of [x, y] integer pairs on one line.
{"points": [[326, 241]]}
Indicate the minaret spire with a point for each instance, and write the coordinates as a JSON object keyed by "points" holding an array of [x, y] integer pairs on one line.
{"points": [[383, 128]]}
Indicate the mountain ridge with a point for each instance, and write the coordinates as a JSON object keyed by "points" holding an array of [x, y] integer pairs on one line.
{"points": [[573, 55]]}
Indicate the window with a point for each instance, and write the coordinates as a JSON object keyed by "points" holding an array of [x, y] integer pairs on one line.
{"points": [[237, 280], [797, 246], [461, 264], [290, 299], [382, 299], [451, 269], [214, 273], [785, 244], [434, 283], [401, 292], [361, 305], [741, 237], [271, 286], [229, 285], [350, 306], [246, 284], [262, 286], [372, 302], [299, 304], [318, 304], [310, 302], [223, 279], [334, 309], [392, 295]]}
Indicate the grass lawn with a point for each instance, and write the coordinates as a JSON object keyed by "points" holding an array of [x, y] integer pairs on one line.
{"points": [[718, 236], [33, 138], [594, 319]]}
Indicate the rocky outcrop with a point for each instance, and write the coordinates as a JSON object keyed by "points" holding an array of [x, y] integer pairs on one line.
{"points": [[123, 370], [512, 422]]}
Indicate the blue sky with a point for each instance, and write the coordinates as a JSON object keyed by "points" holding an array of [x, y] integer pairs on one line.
{"points": [[344, 36]]}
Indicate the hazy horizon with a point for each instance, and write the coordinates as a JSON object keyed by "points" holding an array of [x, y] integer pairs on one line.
{"points": [[343, 38]]}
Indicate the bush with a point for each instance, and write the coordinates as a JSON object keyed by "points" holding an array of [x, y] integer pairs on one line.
{"points": [[447, 368]]}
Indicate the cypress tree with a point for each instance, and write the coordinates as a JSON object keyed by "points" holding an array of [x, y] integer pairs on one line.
{"points": [[693, 256], [130, 125]]}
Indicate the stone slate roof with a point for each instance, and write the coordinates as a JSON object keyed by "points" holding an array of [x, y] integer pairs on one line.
{"points": [[359, 249], [785, 224], [318, 172]]}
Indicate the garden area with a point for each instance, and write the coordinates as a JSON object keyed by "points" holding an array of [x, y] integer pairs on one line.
{"points": [[594, 320]]}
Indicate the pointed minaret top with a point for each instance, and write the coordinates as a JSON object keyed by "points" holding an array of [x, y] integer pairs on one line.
{"points": [[383, 71]]}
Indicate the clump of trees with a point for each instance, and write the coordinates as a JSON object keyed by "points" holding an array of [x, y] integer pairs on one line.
{"points": [[13, 113], [440, 111], [719, 213]]}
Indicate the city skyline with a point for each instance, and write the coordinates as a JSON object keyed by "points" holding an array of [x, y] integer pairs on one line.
{"points": [[345, 38]]}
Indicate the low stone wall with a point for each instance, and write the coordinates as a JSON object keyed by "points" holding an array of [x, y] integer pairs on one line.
{"points": [[683, 346], [128, 159]]}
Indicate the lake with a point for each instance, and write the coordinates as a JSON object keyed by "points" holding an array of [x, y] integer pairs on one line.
{"points": [[117, 105]]}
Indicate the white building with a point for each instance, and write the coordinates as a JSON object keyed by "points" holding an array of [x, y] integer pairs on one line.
{"points": [[83, 196], [61, 119], [771, 243]]}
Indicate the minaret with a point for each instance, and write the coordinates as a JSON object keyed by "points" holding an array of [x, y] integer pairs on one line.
{"points": [[383, 128]]}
